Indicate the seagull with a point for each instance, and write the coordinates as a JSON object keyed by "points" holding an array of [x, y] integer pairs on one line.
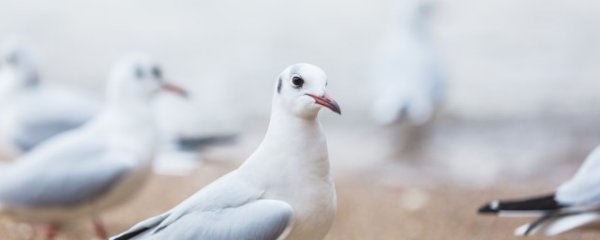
{"points": [[284, 190], [574, 204], [409, 82], [180, 155], [188, 129], [32, 112], [99, 165]]}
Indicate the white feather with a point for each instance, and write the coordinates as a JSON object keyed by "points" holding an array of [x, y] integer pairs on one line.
{"points": [[567, 223], [583, 188], [521, 230]]}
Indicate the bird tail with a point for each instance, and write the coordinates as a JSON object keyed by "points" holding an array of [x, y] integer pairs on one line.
{"points": [[198, 143], [571, 222], [530, 207], [141, 228], [554, 224], [533, 227]]}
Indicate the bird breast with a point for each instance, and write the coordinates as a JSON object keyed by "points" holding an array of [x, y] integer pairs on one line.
{"points": [[314, 209]]}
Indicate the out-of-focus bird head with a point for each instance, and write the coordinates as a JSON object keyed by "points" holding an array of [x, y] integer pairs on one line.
{"points": [[415, 15], [18, 62], [139, 78], [425, 8], [301, 89]]}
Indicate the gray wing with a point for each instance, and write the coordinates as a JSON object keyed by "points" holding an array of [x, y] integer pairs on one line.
{"points": [[34, 133], [261, 219], [48, 112], [199, 143], [64, 184]]}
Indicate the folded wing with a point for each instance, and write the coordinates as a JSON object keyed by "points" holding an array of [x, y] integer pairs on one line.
{"points": [[260, 219]]}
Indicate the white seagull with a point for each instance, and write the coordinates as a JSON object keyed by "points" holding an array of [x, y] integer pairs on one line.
{"points": [[187, 132], [409, 84], [284, 190], [99, 165], [575, 203], [180, 155], [31, 111]]}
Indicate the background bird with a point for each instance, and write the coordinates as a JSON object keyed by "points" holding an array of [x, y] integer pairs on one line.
{"points": [[186, 131], [99, 165], [409, 81], [574, 204], [32, 111], [283, 190], [409, 84]]}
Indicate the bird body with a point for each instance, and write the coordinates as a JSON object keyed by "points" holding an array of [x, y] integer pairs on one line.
{"points": [[302, 161], [107, 176]]}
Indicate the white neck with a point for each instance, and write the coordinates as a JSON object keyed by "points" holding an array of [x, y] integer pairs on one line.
{"points": [[132, 128], [13, 82], [294, 148]]}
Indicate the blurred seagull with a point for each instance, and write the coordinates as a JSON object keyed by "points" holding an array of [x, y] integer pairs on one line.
{"points": [[408, 86], [179, 155], [574, 204], [283, 190], [187, 129], [99, 165], [30, 111]]}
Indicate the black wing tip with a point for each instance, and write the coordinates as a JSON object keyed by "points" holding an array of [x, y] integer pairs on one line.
{"points": [[130, 235], [541, 203], [490, 208], [197, 143]]}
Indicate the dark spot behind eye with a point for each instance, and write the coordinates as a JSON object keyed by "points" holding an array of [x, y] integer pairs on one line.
{"points": [[156, 72], [298, 82], [279, 85]]}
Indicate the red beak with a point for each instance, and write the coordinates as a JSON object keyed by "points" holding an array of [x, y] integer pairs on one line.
{"points": [[328, 102], [174, 89]]}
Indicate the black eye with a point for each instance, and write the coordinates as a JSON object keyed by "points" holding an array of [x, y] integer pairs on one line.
{"points": [[157, 72], [297, 82]]}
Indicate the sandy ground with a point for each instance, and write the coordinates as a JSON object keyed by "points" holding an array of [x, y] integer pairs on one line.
{"points": [[366, 211], [383, 194]]}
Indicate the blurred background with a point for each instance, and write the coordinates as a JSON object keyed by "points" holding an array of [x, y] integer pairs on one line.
{"points": [[519, 113]]}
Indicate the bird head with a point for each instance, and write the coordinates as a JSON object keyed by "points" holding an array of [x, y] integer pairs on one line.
{"points": [[18, 59], [140, 77], [301, 89]]}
